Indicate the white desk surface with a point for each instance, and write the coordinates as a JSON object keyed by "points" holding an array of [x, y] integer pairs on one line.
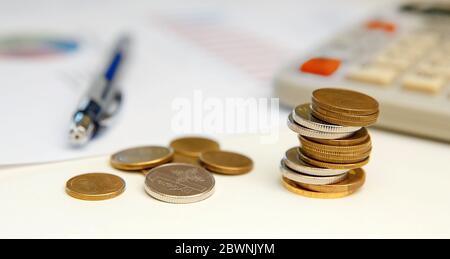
{"points": [[406, 195]]}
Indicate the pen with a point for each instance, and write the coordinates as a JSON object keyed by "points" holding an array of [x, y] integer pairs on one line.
{"points": [[101, 101]]}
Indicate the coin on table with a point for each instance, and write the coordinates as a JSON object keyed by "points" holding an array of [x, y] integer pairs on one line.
{"points": [[354, 180], [95, 186], [140, 158], [179, 183], [193, 146], [292, 161], [323, 164], [359, 148], [297, 189], [345, 101], [357, 138], [297, 128], [302, 114], [224, 162], [304, 178]]}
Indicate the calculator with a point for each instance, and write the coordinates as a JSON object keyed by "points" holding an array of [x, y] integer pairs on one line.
{"points": [[401, 57]]}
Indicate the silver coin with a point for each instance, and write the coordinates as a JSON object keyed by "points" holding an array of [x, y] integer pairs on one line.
{"points": [[308, 179], [297, 128], [179, 183], [302, 115], [292, 160]]}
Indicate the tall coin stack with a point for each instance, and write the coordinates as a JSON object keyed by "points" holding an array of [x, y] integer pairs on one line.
{"points": [[334, 144]]}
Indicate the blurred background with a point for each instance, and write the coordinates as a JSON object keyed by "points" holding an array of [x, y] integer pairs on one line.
{"points": [[51, 50]]}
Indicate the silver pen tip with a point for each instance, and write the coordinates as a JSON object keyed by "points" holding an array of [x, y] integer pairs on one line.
{"points": [[78, 136]]}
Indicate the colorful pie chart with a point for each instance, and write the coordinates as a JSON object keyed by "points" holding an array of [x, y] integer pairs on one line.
{"points": [[19, 46]]}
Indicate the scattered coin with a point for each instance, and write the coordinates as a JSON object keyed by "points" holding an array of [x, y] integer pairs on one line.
{"points": [[302, 115], [194, 146], [297, 128], [95, 186], [179, 183], [303, 178], [176, 173], [322, 164], [354, 180], [345, 101], [225, 162], [292, 161], [139, 158], [297, 189]]}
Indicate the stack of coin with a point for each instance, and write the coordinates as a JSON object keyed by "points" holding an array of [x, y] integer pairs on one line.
{"points": [[334, 144]]}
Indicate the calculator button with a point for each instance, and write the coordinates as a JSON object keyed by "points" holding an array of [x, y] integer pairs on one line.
{"points": [[411, 50], [372, 73], [321, 66], [418, 43], [437, 58], [399, 63], [423, 82], [381, 25], [427, 38], [436, 63], [446, 46], [433, 69], [374, 24], [390, 27]]}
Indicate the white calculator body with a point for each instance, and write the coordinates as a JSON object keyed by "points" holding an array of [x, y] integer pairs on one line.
{"points": [[400, 57]]}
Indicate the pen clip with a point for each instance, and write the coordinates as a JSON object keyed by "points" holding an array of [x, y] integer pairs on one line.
{"points": [[112, 109]]}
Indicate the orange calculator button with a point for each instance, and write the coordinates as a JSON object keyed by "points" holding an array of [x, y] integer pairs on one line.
{"points": [[374, 25], [381, 25], [389, 27], [321, 66]]}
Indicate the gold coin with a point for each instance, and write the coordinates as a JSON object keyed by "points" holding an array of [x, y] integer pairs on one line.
{"points": [[342, 122], [345, 101], [297, 189], [357, 138], [179, 158], [335, 157], [194, 146], [139, 158], [224, 162], [355, 179], [323, 164], [359, 148], [95, 186], [345, 117]]}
